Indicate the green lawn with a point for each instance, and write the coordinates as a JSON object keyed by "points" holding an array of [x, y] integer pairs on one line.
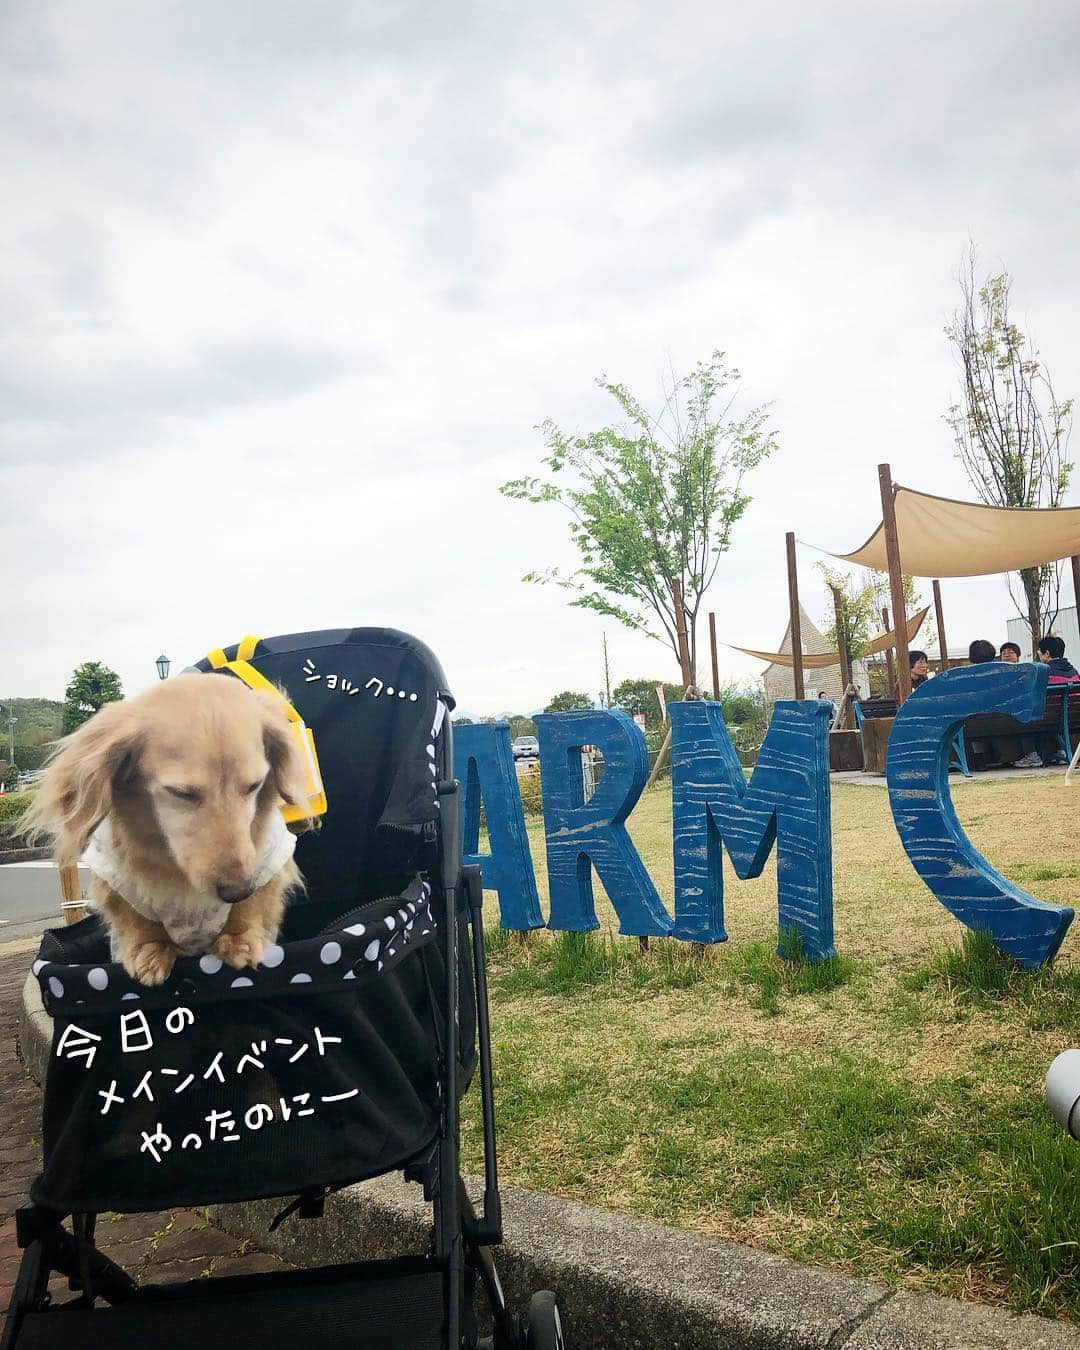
{"points": [[882, 1114]]}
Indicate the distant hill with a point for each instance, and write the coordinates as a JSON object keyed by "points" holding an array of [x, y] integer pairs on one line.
{"points": [[38, 720]]}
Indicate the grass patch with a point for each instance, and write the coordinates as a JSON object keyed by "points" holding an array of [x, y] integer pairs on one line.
{"points": [[880, 1113], [827, 1161], [784, 971], [606, 965], [976, 974]]}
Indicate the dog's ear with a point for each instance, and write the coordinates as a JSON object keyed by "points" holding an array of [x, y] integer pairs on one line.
{"points": [[288, 769], [76, 792]]}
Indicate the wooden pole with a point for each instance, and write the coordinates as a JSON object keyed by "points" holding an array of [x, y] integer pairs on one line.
{"points": [[680, 630], [607, 673], [1076, 584], [943, 646], [890, 664], [841, 636], [796, 625], [896, 578], [845, 663], [71, 894], [687, 679], [715, 664]]}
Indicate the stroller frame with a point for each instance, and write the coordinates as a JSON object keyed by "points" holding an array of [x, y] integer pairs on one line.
{"points": [[461, 1242]]}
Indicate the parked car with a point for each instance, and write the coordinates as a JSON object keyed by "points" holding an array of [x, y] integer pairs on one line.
{"points": [[525, 747]]}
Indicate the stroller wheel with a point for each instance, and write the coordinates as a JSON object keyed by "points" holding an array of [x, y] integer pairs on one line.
{"points": [[544, 1324]]}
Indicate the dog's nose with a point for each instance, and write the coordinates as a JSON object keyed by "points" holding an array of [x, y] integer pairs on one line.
{"points": [[232, 894]]}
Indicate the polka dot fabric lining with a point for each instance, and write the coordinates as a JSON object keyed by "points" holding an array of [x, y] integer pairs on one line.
{"points": [[363, 945]]}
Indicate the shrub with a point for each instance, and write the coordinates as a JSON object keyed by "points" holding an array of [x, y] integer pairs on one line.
{"points": [[13, 806]]}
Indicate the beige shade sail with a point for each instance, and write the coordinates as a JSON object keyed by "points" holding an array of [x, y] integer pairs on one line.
{"points": [[822, 660], [944, 538], [884, 641], [817, 661]]}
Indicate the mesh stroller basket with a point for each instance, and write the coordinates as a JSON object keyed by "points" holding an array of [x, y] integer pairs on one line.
{"points": [[320, 1066]]}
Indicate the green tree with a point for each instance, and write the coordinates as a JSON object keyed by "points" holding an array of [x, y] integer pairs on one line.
{"points": [[520, 725], [1011, 430], [746, 714], [92, 686], [568, 701], [639, 696], [653, 502], [860, 604]]}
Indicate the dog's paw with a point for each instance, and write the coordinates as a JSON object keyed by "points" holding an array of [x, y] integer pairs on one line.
{"points": [[242, 949], [150, 962]]}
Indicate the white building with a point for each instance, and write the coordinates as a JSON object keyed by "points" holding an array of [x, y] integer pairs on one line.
{"points": [[1064, 626]]}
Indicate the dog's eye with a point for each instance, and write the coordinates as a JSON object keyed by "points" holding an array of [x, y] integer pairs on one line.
{"points": [[184, 794], [248, 791]]}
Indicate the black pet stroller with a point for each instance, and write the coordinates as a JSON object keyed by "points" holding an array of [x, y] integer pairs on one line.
{"points": [[343, 1056]]}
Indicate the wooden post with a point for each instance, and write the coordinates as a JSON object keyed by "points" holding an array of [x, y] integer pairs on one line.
{"points": [[896, 578], [943, 646], [680, 631], [71, 894], [796, 625], [890, 664], [607, 673], [715, 665], [1076, 584], [841, 636]]}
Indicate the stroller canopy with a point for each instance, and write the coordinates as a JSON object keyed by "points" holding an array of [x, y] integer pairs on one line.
{"points": [[375, 700]]}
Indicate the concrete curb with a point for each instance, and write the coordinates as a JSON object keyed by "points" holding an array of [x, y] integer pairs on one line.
{"points": [[629, 1283]]}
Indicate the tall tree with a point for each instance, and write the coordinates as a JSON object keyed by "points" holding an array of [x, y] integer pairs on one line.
{"points": [[1011, 430], [569, 701], [653, 501], [92, 686], [639, 696]]}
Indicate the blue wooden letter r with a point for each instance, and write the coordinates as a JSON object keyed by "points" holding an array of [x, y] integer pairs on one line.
{"points": [[585, 834]]}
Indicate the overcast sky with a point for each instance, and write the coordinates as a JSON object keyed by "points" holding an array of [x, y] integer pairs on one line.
{"points": [[286, 287]]}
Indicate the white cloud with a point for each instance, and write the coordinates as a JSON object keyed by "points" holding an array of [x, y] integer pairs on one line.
{"points": [[282, 301]]}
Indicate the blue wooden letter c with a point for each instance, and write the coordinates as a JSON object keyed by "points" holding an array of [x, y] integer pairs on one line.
{"points": [[940, 851]]}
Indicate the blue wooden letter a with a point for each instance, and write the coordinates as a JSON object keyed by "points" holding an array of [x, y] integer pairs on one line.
{"points": [[786, 802], [484, 766], [585, 834]]}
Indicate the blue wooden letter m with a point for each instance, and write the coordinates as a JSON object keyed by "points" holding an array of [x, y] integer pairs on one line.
{"points": [[785, 803]]}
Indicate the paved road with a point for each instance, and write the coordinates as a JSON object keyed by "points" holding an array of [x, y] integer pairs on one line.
{"points": [[30, 898]]}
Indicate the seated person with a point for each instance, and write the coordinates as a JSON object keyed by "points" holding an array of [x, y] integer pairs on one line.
{"points": [[1009, 652], [919, 672], [981, 651], [1051, 651], [1048, 749], [823, 697]]}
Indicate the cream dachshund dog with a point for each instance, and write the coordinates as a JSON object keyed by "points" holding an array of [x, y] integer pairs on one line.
{"points": [[174, 798]]}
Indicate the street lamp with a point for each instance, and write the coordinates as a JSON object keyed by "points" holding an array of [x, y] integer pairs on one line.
{"points": [[162, 664], [11, 739]]}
